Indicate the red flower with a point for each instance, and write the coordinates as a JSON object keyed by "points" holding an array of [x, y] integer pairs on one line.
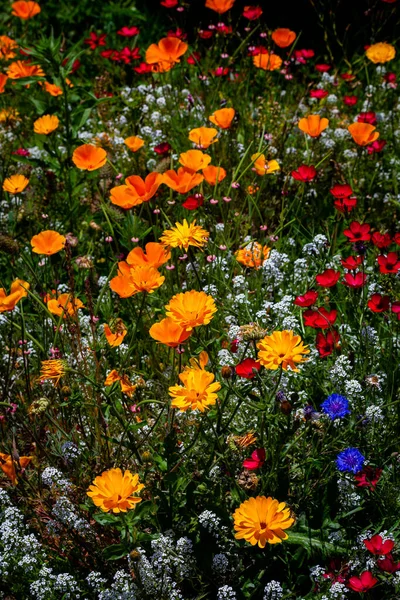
{"points": [[328, 278], [367, 117], [376, 545], [365, 582], [169, 3], [396, 309], [319, 319], [337, 572], [358, 232], [368, 477], [194, 58], [326, 344], [347, 76], [389, 263], [390, 77], [341, 191], [252, 12], [376, 146], [387, 564], [381, 240], [304, 173], [234, 346], [350, 100], [143, 68], [396, 238], [193, 202], [109, 54], [351, 262], [94, 40], [256, 50], [21, 152], [323, 68], [345, 205], [220, 71], [126, 55], [222, 28], [246, 368], [318, 94], [308, 299], [378, 303], [129, 31], [205, 35], [301, 56], [162, 148], [75, 65], [355, 281], [178, 33], [256, 461]]}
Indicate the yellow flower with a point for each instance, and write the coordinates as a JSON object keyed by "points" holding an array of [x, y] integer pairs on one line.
{"points": [[113, 490], [262, 520], [15, 184], [281, 348], [380, 53], [52, 369], [263, 166], [198, 391], [191, 309], [184, 235], [46, 124]]}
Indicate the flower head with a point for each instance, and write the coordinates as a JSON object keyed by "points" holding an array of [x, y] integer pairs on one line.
{"points": [[164, 55], [46, 124], [25, 9], [380, 53], [15, 184], [363, 133], [266, 61], [53, 370], [313, 125], [194, 160], [262, 166], [362, 584], [262, 520], [336, 406], [350, 460], [115, 490], [214, 175], [64, 305], [220, 6], [184, 235], [136, 191], [89, 158], [191, 309], [21, 69], [253, 255], [169, 332], [155, 255], [282, 349], [223, 117], [48, 242], [283, 37], [115, 332], [203, 137], [183, 180], [134, 143], [132, 280], [8, 463], [19, 289], [198, 391], [7, 47]]}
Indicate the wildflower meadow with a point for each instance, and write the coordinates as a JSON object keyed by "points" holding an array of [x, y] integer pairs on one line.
{"points": [[199, 300]]}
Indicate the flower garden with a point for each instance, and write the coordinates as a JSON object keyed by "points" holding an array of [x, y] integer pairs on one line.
{"points": [[199, 302]]}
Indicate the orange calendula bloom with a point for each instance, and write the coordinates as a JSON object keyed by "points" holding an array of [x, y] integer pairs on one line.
{"points": [[25, 9], [282, 349], [131, 281], [203, 137], [191, 309], [53, 89], [182, 180], [155, 256], [262, 166], [115, 333], [164, 55], [21, 69], [214, 175], [15, 184], [19, 289], [127, 387], [363, 133], [65, 305], [46, 124], [380, 53], [52, 370], [3, 81], [7, 465], [9, 114], [48, 242], [267, 61], [169, 333], [223, 117], [184, 235], [7, 47], [89, 158], [283, 37], [262, 520], [313, 125], [194, 160], [253, 255], [115, 490], [198, 391], [134, 143], [220, 6]]}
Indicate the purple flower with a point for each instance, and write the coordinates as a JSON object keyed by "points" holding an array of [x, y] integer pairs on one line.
{"points": [[350, 460]]}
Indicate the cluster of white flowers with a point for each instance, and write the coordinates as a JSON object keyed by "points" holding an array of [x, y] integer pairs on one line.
{"points": [[273, 591], [226, 593]]}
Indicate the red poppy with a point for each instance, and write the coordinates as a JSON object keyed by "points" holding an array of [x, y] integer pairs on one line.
{"points": [[193, 202], [252, 12], [327, 344], [328, 278], [396, 309], [351, 262], [365, 582], [143, 68], [367, 117], [358, 232], [256, 461], [381, 240], [368, 477], [95, 40], [247, 368], [376, 545], [318, 94], [162, 148], [345, 205], [323, 68], [308, 299], [356, 280], [376, 146], [350, 100], [388, 264], [129, 31], [378, 303], [388, 565], [194, 58], [319, 319], [304, 173], [341, 191]]}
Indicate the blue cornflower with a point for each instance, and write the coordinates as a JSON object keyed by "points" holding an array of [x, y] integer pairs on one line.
{"points": [[336, 406], [350, 460]]}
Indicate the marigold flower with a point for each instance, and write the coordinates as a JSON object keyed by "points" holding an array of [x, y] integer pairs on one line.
{"points": [[253, 255], [380, 53], [46, 124], [3, 81], [282, 349], [53, 89], [243, 441], [194, 160], [21, 69], [283, 37], [203, 137], [7, 47], [214, 175], [15, 184], [65, 305], [267, 61], [19, 289], [262, 166], [7, 465], [25, 9], [220, 6], [53, 370], [313, 125], [48, 242], [9, 114], [198, 391], [191, 309], [166, 53], [184, 235], [155, 256], [262, 520], [89, 158], [363, 133], [131, 281], [223, 117], [134, 143], [115, 332], [168, 332], [114, 490], [181, 181]]}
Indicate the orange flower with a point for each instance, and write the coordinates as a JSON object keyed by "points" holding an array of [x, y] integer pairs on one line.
{"points": [[3, 81], [124, 196], [144, 189], [48, 242], [262, 166], [113, 490], [134, 143], [155, 256], [131, 281], [19, 289], [53, 89], [363, 133], [191, 309], [65, 305], [166, 53], [21, 69], [313, 125], [46, 124], [220, 6], [267, 61], [127, 387], [52, 370], [15, 184], [283, 37], [25, 10], [182, 181], [9, 114], [116, 333], [7, 45], [253, 255], [203, 137], [89, 158], [214, 174], [7, 465], [168, 332], [194, 160], [223, 117]]}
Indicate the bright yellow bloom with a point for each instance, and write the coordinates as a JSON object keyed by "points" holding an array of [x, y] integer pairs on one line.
{"points": [[113, 490], [198, 391], [52, 369], [46, 124], [263, 166], [191, 309], [184, 235], [281, 348], [15, 184], [253, 255], [262, 520], [380, 53]]}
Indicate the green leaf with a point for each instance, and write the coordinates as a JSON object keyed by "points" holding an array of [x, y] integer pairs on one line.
{"points": [[313, 544], [115, 552], [39, 105], [105, 518]]}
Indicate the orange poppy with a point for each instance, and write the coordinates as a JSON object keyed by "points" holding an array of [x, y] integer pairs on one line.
{"points": [[155, 256], [48, 242], [283, 37], [46, 124], [7, 465], [168, 332], [165, 54], [203, 137], [7, 47], [262, 166], [267, 61], [126, 386], [116, 333], [19, 289], [20, 69], [124, 196], [15, 184], [182, 181], [131, 281], [25, 10], [214, 175], [3, 81], [134, 143], [223, 117], [220, 6], [144, 189], [194, 160], [89, 158], [363, 133], [53, 89], [313, 125], [64, 305]]}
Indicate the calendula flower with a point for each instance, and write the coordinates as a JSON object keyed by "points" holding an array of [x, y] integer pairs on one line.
{"points": [[203, 137], [198, 391], [115, 490], [282, 349], [380, 53], [25, 9], [223, 117], [313, 125], [191, 309], [3, 81], [164, 55], [194, 160], [19, 289], [15, 184], [115, 332], [134, 143], [52, 370], [46, 124], [7, 465], [48, 242], [53, 89], [155, 256], [8, 115], [214, 175], [262, 520], [169, 333], [64, 305], [184, 235], [21, 69], [267, 61], [283, 37], [182, 181], [89, 158], [262, 166], [220, 6], [131, 281], [7, 47], [363, 133]]}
